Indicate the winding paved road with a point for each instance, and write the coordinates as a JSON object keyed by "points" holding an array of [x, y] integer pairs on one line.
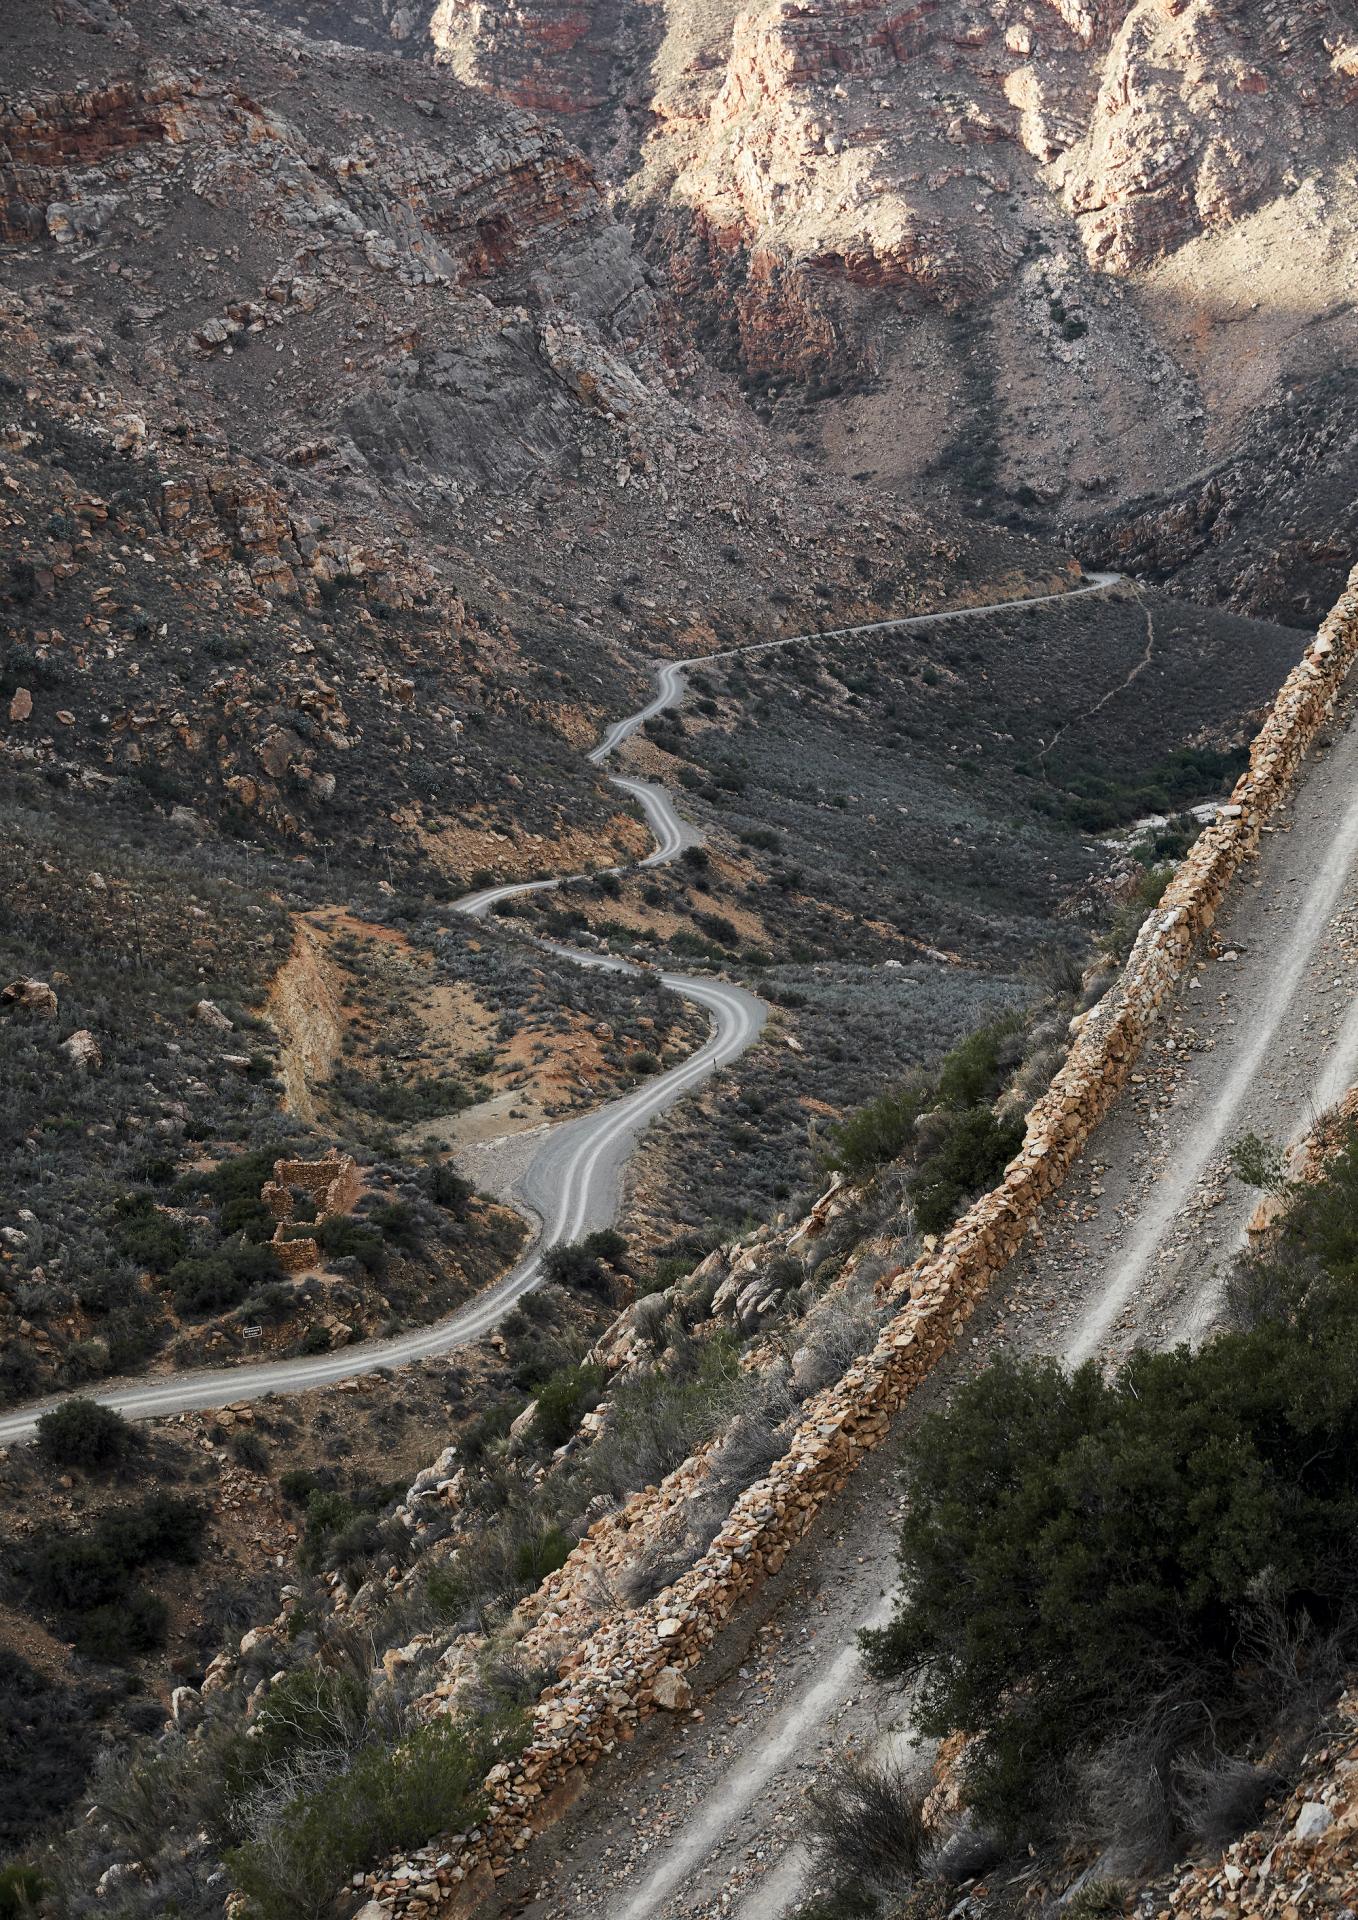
{"points": [[1260, 1034], [574, 1179]]}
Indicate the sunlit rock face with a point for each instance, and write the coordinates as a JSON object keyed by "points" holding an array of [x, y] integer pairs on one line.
{"points": [[896, 145]]}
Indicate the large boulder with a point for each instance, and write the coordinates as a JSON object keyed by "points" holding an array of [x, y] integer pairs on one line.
{"points": [[31, 996], [671, 1690], [82, 1050]]}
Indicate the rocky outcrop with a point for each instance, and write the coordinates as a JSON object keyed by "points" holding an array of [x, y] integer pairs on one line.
{"points": [[30, 996], [876, 147], [552, 55], [1304, 1862], [83, 1050], [610, 1681], [1201, 109], [1270, 529]]}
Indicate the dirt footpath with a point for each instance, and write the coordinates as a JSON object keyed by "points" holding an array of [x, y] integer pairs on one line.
{"points": [[702, 1816]]}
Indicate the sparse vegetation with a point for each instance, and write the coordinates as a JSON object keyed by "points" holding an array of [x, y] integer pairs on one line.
{"points": [[943, 1128]]}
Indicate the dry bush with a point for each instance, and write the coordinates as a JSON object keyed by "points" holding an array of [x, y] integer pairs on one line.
{"points": [[836, 1334], [1220, 1797], [865, 1822], [1129, 1797]]}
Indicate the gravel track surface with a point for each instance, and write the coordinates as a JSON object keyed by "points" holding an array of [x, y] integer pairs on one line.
{"points": [[703, 1816]]}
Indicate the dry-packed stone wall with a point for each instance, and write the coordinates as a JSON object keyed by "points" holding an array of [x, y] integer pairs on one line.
{"points": [[631, 1664], [334, 1184]]}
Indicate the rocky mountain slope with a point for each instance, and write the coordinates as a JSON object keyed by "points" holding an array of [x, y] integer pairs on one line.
{"points": [[1048, 255], [318, 372], [384, 385]]}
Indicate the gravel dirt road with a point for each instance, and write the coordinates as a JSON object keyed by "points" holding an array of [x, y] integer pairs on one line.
{"points": [[703, 1816]]}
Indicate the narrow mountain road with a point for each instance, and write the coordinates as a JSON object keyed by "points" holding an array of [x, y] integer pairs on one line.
{"points": [[573, 1180], [704, 1816]]}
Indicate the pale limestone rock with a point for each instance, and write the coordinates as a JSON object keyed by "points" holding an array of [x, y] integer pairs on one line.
{"points": [[82, 1050], [672, 1690]]}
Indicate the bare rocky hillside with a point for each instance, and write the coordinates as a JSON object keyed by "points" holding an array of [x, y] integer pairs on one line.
{"points": [[1051, 257]]}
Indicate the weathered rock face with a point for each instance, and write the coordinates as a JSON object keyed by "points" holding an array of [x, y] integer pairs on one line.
{"points": [[880, 145], [1271, 529], [556, 55], [1034, 231], [1201, 109]]}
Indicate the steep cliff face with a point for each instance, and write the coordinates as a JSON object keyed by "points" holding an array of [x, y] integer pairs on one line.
{"points": [[556, 55], [1051, 256], [883, 145]]}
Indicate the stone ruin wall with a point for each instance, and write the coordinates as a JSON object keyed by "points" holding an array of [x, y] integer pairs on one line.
{"points": [[334, 1184], [628, 1666]]}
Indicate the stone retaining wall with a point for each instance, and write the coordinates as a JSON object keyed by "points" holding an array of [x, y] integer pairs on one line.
{"points": [[629, 1666]]}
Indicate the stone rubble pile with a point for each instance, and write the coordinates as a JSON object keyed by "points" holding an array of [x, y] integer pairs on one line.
{"points": [[622, 1673]]}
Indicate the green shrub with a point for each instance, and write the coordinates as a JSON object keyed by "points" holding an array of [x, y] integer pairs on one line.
{"points": [[396, 1223], [878, 1132], [247, 1215], [119, 1631], [607, 1244], [342, 1237], [403, 1102], [970, 1073], [542, 1554], [340, 1529], [1116, 1540], [1126, 922], [1097, 1900], [387, 1798], [327, 1515], [307, 1711], [563, 1399], [974, 1149], [21, 1890], [574, 1265], [87, 1579], [82, 1433], [1258, 1162], [207, 1283], [165, 1526], [449, 1190], [485, 1428], [249, 1450], [446, 1591], [239, 1178], [145, 1235]]}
